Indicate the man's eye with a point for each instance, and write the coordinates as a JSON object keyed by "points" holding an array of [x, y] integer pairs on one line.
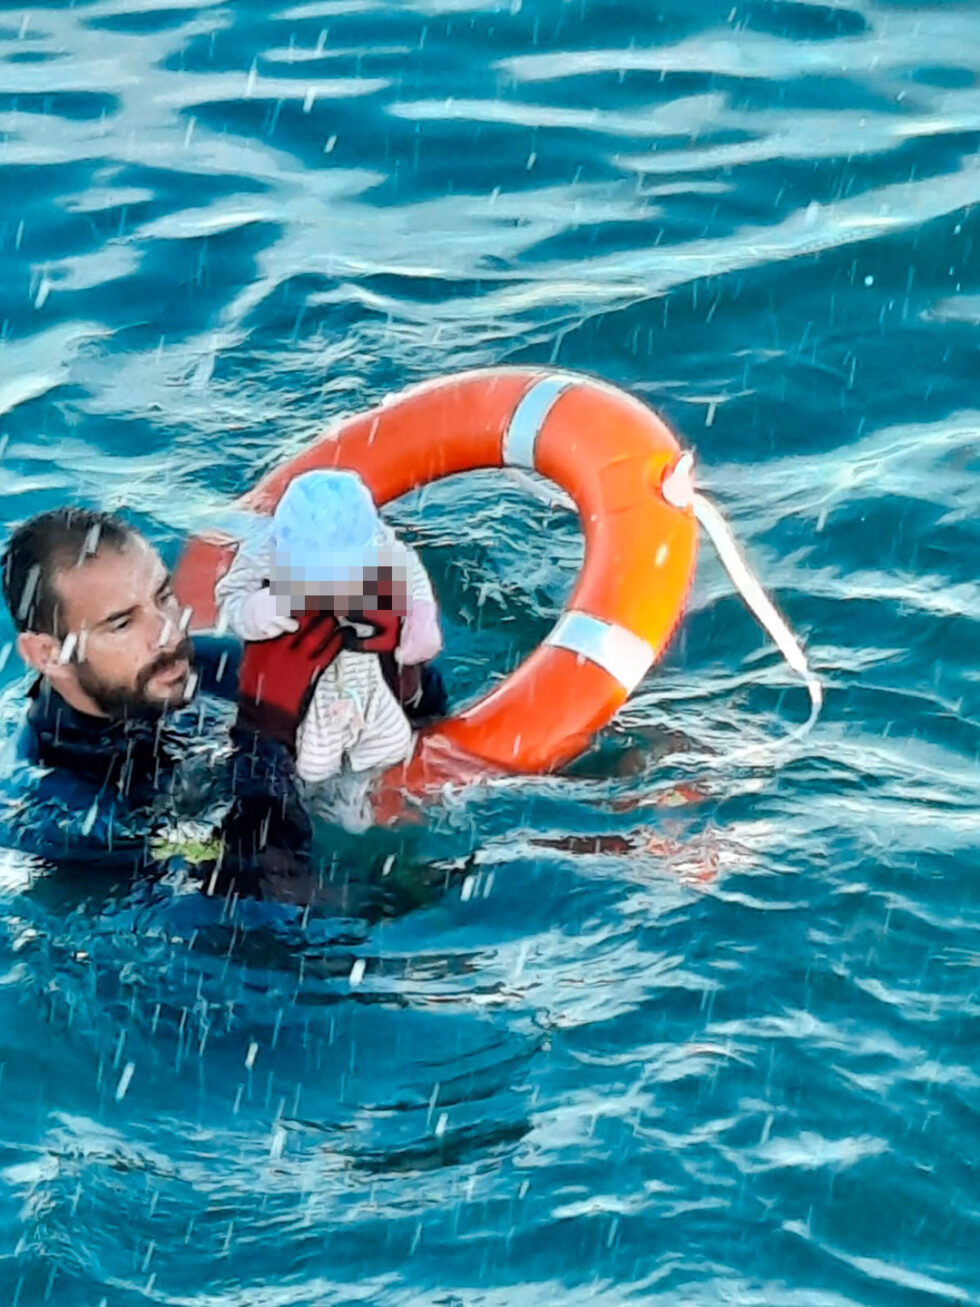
{"points": [[121, 623]]}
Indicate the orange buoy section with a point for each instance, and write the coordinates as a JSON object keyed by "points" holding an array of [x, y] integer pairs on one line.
{"points": [[611, 454]]}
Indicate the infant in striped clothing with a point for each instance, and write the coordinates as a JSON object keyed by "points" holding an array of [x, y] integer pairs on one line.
{"points": [[327, 548]]}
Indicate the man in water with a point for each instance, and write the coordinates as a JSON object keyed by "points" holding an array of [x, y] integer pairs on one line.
{"points": [[109, 719], [124, 758]]}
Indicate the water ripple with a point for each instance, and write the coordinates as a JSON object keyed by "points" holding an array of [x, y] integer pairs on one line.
{"points": [[647, 1030]]}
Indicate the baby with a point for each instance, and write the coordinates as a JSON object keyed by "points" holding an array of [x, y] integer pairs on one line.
{"points": [[327, 549]]}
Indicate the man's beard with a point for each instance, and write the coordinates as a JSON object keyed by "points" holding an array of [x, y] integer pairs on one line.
{"points": [[133, 701]]}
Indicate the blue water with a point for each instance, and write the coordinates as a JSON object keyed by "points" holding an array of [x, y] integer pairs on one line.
{"points": [[735, 1065]]}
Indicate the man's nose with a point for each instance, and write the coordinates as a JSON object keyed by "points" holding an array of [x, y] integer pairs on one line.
{"points": [[168, 631]]}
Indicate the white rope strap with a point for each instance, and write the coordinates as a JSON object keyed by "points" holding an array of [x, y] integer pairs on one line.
{"points": [[678, 489], [759, 604]]}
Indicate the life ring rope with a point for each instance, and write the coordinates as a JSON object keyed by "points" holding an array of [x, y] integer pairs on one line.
{"points": [[766, 614]]}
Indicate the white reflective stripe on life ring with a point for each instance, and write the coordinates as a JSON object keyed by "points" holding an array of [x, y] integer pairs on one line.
{"points": [[525, 425], [625, 656]]}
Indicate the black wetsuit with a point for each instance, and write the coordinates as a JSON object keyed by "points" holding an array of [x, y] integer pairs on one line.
{"points": [[81, 789]]}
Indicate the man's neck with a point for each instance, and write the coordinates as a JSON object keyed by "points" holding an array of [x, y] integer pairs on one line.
{"points": [[75, 697]]}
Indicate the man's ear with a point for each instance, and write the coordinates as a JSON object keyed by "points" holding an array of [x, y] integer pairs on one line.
{"points": [[43, 653]]}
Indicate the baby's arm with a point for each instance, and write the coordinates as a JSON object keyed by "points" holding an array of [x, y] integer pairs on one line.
{"points": [[245, 602], [421, 636], [244, 577]]}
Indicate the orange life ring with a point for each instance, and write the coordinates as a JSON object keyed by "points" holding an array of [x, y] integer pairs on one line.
{"points": [[612, 454]]}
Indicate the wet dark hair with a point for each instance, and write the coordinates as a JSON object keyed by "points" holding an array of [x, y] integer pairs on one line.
{"points": [[44, 545]]}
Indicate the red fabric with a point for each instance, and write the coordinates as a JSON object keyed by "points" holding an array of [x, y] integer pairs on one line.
{"points": [[385, 637], [386, 622], [277, 677], [404, 682]]}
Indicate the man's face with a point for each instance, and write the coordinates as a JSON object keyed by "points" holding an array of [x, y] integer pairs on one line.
{"points": [[125, 647]]}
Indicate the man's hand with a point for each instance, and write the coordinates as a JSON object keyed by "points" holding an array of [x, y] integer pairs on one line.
{"points": [[277, 677], [376, 631]]}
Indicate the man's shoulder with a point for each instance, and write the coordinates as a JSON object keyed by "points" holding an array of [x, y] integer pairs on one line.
{"points": [[54, 811]]}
